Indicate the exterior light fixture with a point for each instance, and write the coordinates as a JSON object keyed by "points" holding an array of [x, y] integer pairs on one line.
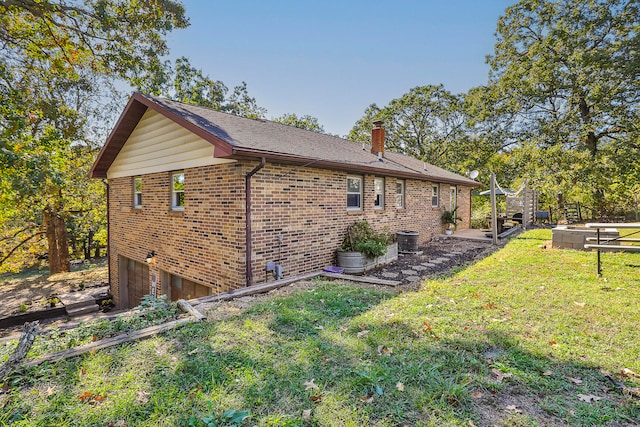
{"points": [[151, 257]]}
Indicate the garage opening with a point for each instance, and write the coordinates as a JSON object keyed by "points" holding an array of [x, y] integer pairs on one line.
{"points": [[137, 282], [177, 287]]}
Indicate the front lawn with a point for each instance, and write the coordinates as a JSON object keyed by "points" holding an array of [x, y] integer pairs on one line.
{"points": [[528, 336]]}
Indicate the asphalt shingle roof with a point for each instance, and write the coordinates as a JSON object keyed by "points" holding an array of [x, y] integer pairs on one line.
{"points": [[262, 138]]}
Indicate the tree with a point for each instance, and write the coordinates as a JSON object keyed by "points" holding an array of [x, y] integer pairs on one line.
{"points": [[303, 122], [184, 83], [56, 55], [566, 74], [427, 123]]}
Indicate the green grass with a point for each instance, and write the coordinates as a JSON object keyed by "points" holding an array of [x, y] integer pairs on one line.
{"points": [[513, 341]]}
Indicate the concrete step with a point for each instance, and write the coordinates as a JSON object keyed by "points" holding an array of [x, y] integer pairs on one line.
{"points": [[78, 311]]}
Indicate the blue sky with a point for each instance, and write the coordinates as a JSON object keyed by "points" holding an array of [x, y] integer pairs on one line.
{"points": [[331, 59]]}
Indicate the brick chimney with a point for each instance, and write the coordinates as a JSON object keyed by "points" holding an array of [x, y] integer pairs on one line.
{"points": [[377, 138]]}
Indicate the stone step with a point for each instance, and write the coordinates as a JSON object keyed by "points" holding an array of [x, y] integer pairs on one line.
{"points": [[72, 312]]}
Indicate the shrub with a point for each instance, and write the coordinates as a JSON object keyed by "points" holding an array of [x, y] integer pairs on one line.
{"points": [[361, 237]]}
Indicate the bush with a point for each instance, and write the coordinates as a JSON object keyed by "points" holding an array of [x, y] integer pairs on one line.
{"points": [[361, 237]]}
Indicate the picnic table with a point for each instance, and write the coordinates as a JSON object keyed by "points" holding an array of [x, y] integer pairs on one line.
{"points": [[612, 244]]}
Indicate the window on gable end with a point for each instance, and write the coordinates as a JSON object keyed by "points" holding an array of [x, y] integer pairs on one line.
{"points": [[177, 191], [137, 192]]}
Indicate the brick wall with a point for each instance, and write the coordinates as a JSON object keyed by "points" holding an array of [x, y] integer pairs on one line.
{"points": [[305, 206]]}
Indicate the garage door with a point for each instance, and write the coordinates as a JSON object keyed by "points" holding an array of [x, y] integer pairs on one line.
{"points": [[137, 282], [186, 289]]}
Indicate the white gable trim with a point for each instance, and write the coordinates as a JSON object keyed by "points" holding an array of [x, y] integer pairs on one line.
{"points": [[158, 144]]}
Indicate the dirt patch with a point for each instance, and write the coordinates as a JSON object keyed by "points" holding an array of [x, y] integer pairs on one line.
{"points": [[28, 291], [443, 256], [438, 257]]}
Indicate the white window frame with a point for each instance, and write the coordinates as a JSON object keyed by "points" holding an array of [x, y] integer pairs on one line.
{"points": [[435, 195], [175, 206], [137, 194], [400, 191], [453, 198], [359, 193], [378, 191]]}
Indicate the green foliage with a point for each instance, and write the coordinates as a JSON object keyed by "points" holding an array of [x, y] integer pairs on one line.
{"points": [[361, 237], [448, 340], [303, 122], [184, 83], [563, 92], [427, 123], [58, 60], [230, 418], [450, 217]]}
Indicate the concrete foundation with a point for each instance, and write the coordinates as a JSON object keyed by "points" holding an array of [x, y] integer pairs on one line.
{"points": [[575, 237]]}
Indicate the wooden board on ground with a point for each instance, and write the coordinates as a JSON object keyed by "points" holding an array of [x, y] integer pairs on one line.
{"points": [[107, 342], [362, 279]]}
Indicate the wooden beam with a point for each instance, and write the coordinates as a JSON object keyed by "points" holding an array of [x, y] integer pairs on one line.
{"points": [[255, 289], [188, 308], [107, 342], [362, 279], [616, 248]]}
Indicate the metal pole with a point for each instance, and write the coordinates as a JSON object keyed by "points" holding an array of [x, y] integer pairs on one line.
{"points": [[598, 236], [494, 216]]}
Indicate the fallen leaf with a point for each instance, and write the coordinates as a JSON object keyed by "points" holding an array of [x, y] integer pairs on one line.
{"points": [[553, 342], [311, 385], [85, 396], [577, 381], [589, 398], [501, 375], [478, 395], [142, 397], [306, 414], [400, 386], [362, 333], [316, 397], [366, 399], [319, 327], [427, 327], [490, 306], [475, 295], [547, 373], [384, 350], [625, 372], [194, 351], [513, 408], [580, 304], [99, 398]]}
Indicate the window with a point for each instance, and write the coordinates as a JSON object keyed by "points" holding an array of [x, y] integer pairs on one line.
{"points": [[400, 194], [378, 189], [177, 191], [435, 192], [354, 193], [137, 192], [453, 199]]}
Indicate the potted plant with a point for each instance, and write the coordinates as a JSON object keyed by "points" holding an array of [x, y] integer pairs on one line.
{"points": [[364, 248], [449, 219]]}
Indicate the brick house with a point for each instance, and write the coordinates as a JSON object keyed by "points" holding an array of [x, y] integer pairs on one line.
{"points": [[195, 196]]}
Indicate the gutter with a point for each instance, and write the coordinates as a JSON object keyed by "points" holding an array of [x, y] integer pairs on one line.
{"points": [[248, 243]]}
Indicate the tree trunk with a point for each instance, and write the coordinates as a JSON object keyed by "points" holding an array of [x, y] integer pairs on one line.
{"points": [[56, 230]]}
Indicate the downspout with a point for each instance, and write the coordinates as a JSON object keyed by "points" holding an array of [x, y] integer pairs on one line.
{"points": [[106, 184], [248, 245]]}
